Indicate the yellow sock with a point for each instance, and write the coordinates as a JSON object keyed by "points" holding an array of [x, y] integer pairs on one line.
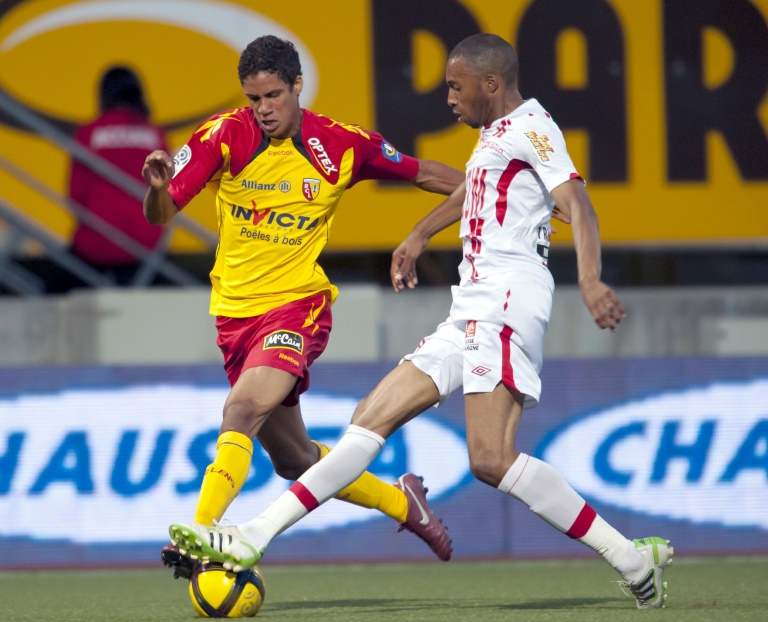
{"points": [[370, 492], [225, 477]]}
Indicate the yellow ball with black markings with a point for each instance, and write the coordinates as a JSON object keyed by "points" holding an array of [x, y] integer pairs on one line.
{"points": [[219, 593]]}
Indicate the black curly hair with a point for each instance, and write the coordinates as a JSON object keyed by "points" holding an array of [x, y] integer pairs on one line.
{"points": [[272, 55]]}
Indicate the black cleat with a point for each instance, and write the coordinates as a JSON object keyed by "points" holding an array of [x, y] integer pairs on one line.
{"points": [[183, 565]]}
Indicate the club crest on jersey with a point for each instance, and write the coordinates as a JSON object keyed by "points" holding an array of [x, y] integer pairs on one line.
{"points": [[311, 188], [390, 153], [284, 339], [540, 144]]}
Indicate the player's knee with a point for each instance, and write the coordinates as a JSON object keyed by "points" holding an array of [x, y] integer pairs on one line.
{"points": [[244, 416], [487, 469], [360, 410], [289, 471], [294, 467]]}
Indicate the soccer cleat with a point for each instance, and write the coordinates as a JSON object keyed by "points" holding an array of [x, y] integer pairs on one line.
{"points": [[226, 545], [183, 565], [420, 519], [650, 590]]}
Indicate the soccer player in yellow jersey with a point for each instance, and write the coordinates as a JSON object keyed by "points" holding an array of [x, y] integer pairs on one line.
{"points": [[278, 172]]}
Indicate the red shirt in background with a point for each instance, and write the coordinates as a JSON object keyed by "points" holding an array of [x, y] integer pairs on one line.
{"points": [[123, 138]]}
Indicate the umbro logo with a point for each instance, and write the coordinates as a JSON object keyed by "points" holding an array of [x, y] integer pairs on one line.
{"points": [[481, 371]]}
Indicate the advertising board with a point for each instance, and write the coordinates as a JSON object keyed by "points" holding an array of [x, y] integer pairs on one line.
{"points": [[663, 102], [96, 462]]}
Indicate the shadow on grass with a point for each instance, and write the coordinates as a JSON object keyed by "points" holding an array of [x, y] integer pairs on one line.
{"points": [[393, 605], [564, 603]]}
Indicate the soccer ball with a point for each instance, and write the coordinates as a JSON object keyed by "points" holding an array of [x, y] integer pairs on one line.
{"points": [[219, 593]]}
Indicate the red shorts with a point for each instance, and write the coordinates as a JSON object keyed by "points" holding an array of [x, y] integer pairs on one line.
{"points": [[289, 337]]}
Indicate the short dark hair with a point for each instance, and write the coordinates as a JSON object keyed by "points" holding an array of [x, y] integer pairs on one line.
{"points": [[121, 88], [487, 53], [270, 54]]}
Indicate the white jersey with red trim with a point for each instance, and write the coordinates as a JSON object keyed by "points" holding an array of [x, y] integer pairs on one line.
{"points": [[501, 308], [505, 226]]}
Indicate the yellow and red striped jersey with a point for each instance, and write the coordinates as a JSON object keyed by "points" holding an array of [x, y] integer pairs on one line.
{"points": [[276, 200]]}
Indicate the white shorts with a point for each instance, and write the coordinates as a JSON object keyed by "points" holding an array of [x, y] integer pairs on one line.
{"points": [[479, 354]]}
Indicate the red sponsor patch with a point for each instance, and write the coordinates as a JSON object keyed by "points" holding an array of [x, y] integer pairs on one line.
{"points": [[471, 328]]}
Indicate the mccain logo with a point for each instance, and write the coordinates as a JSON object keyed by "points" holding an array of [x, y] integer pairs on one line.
{"points": [[284, 339]]}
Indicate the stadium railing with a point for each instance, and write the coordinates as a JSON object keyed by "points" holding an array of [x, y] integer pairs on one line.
{"points": [[152, 262]]}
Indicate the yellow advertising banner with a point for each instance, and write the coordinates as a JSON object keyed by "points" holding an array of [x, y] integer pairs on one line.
{"points": [[663, 102]]}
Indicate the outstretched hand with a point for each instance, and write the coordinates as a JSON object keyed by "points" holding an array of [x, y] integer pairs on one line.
{"points": [[402, 271], [158, 170], [603, 304]]}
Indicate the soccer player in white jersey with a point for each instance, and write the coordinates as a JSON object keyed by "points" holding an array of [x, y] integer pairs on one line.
{"points": [[492, 341]]}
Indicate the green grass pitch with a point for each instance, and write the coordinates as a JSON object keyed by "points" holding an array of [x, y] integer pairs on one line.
{"points": [[700, 589]]}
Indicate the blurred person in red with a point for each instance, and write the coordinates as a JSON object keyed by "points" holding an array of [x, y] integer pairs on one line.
{"points": [[124, 136]]}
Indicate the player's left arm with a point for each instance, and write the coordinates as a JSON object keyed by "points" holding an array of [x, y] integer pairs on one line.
{"points": [[437, 177], [402, 270], [602, 302], [375, 158]]}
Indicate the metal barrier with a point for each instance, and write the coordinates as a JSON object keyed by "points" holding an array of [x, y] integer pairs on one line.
{"points": [[152, 261]]}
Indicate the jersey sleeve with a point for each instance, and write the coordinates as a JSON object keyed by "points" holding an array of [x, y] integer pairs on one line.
{"points": [[375, 158], [542, 145], [198, 162]]}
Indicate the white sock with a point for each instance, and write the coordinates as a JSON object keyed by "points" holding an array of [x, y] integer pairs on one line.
{"points": [[348, 461], [615, 549], [281, 514], [543, 489]]}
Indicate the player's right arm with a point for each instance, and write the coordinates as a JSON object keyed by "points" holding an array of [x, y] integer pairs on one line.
{"points": [[402, 271], [158, 171], [174, 182], [601, 300]]}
